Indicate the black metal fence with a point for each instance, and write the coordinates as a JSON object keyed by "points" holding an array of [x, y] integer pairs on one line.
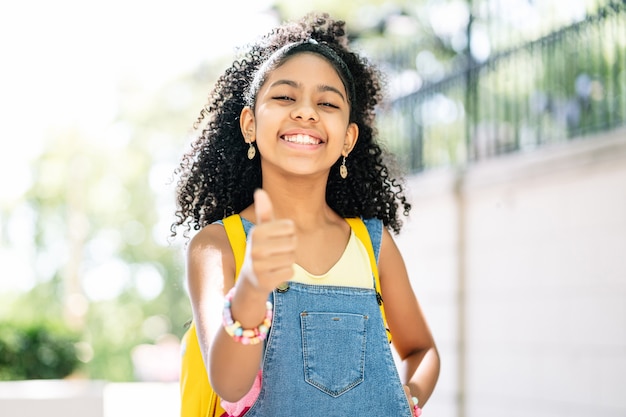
{"points": [[564, 85]]}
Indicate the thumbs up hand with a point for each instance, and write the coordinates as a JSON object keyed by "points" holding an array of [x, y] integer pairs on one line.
{"points": [[271, 247]]}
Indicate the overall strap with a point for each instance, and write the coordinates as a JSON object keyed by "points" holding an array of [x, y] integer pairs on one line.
{"points": [[360, 230]]}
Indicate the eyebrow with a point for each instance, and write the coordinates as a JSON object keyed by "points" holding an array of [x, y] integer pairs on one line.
{"points": [[320, 88]]}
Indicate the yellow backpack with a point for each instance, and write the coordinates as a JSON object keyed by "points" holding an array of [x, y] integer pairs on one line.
{"points": [[197, 397]]}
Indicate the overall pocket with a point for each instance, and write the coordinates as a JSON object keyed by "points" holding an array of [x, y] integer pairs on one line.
{"points": [[333, 346]]}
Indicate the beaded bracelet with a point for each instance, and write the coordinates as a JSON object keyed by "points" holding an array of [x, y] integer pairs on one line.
{"points": [[417, 412], [238, 333]]}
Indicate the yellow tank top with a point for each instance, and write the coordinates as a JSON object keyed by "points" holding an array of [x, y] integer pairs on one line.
{"points": [[353, 269]]}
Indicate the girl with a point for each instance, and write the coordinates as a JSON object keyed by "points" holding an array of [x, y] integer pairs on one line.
{"points": [[298, 330]]}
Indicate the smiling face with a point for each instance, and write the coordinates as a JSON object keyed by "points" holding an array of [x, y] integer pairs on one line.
{"points": [[301, 119]]}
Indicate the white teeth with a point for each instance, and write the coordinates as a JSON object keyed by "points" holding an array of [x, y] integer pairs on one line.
{"points": [[302, 139]]}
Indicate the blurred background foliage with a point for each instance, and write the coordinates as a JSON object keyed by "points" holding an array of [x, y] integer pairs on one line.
{"points": [[41, 350], [85, 227], [103, 262]]}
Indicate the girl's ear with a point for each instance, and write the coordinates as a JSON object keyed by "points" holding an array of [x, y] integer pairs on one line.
{"points": [[246, 123], [352, 135]]}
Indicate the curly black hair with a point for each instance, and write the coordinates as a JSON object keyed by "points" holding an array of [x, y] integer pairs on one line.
{"points": [[216, 179]]}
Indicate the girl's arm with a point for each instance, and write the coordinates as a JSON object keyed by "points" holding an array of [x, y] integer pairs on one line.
{"points": [[270, 253], [411, 336], [231, 366]]}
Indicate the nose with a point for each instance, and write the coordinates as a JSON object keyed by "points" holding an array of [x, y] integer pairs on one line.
{"points": [[305, 110]]}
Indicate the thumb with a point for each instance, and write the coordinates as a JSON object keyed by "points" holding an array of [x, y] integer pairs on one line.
{"points": [[263, 207]]}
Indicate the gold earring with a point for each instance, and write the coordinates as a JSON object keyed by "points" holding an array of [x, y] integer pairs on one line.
{"points": [[251, 151], [343, 170]]}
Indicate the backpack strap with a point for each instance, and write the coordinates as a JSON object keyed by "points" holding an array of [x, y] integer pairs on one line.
{"points": [[237, 238], [361, 231]]}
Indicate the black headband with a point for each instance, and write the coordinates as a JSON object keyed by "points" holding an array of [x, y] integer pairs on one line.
{"points": [[309, 45]]}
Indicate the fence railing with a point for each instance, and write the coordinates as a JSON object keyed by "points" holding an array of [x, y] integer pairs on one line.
{"points": [[564, 85]]}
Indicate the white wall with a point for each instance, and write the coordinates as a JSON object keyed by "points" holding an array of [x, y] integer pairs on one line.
{"points": [[79, 398], [520, 265], [51, 398]]}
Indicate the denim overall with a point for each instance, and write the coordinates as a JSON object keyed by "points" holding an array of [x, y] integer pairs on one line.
{"points": [[327, 354]]}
